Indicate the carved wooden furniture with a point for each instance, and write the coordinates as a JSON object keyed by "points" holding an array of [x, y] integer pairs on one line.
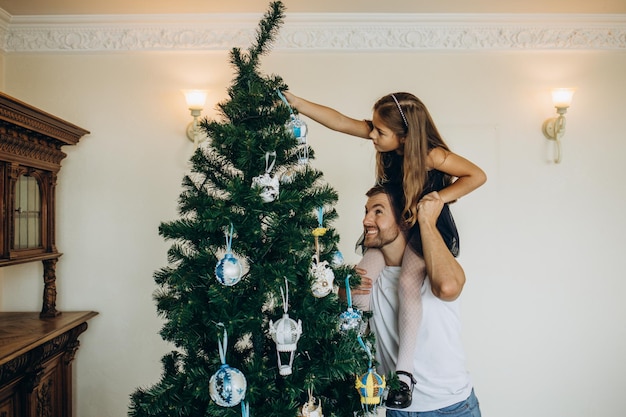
{"points": [[36, 348], [30, 159], [36, 363]]}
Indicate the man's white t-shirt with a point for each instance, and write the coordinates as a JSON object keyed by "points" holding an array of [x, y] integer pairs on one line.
{"points": [[439, 361]]}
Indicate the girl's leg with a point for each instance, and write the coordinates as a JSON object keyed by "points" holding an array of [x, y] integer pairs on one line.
{"points": [[373, 262], [410, 310]]}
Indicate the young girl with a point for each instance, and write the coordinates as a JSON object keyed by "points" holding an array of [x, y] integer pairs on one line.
{"points": [[411, 152]]}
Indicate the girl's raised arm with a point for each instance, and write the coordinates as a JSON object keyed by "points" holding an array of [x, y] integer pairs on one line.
{"points": [[328, 117]]}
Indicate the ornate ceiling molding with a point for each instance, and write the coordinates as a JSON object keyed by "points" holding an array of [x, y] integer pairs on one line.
{"points": [[314, 32]]}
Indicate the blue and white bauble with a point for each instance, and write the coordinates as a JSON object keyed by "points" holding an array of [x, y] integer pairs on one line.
{"points": [[227, 386], [228, 270], [351, 319], [298, 128], [337, 258]]}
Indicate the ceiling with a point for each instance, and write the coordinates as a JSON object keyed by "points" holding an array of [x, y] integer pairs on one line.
{"points": [[94, 7]]}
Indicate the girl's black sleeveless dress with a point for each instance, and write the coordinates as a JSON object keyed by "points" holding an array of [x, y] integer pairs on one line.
{"points": [[435, 181]]}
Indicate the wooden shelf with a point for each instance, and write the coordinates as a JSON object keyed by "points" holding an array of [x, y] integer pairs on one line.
{"points": [[21, 332], [36, 357]]}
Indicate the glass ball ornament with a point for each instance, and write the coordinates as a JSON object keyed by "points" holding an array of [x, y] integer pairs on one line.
{"points": [[227, 386], [228, 270], [351, 319], [337, 258]]}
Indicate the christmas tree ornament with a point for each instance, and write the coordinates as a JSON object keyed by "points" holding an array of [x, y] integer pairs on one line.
{"points": [[298, 128], [288, 176], [295, 125], [311, 408], [370, 385], [337, 258], [268, 184], [351, 319], [285, 332], [303, 154], [323, 275], [323, 278], [319, 231], [227, 386], [228, 270]]}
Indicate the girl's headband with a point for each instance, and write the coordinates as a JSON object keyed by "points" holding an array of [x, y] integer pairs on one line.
{"points": [[401, 112]]}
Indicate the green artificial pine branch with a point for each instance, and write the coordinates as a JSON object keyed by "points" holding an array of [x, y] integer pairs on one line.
{"points": [[275, 242]]}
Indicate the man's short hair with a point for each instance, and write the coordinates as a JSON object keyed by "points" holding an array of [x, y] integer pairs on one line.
{"points": [[396, 199]]}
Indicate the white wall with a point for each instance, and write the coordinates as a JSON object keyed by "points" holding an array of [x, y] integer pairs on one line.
{"points": [[541, 243]]}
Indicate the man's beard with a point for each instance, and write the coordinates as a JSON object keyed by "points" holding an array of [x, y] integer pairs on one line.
{"points": [[378, 241]]}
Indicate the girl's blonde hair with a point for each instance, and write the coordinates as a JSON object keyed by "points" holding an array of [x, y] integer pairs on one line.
{"points": [[408, 118]]}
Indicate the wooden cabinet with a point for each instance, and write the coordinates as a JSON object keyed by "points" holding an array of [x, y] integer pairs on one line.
{"points": [[36, 348], [36, 363], [31, 142]]}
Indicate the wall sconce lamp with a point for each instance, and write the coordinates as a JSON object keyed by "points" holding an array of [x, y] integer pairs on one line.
{"points": [[195, 101], [554, 128]]}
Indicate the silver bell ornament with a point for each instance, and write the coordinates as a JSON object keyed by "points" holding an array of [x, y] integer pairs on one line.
{"points": [[285, 332], [228, 270], [269, 185], [227, 386], [351, 319]]}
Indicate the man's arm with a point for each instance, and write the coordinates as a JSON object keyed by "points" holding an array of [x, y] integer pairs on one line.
{"points": [[446, 275]]}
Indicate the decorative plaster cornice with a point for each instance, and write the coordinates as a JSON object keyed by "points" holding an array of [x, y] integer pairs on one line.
{"points": [[314, 32]]}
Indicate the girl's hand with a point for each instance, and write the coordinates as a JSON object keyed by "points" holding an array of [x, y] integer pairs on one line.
{"points": [[429, 208], [365, 287], [290, 98]]}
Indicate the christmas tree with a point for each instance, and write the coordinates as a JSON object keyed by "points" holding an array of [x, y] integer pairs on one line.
{"points": [[246, 295]]}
